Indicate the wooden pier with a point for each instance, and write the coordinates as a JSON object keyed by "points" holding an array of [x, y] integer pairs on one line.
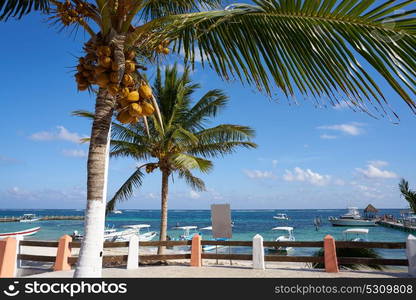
{"points": [[42, 218], [406, 226]]}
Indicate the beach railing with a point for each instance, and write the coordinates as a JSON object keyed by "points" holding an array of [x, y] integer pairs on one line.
{"points": [[10, 253]]}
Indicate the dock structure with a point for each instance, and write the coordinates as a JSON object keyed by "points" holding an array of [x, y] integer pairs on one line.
{"points": [[406, 226], [43, 218]]}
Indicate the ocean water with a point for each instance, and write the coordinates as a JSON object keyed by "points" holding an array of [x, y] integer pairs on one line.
{"points": [[247, 223]]}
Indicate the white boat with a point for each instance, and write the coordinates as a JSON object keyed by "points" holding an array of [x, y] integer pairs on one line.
{"points": [[116, 212], [281, 217], [144, 237], [356, 235], [26, 232], [351, 218], [26, 218], [188, 232], [288, 236], [212, 247]]}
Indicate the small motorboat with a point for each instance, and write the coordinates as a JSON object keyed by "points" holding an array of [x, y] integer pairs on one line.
{"points": [[212, 247], [288, 236], [116, 212], [351, 218], [26, 218], [356, 235], [281, 217], [143, 237], [188, 232], [26, 232]]}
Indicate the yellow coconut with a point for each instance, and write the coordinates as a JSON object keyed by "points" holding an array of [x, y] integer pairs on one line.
{"points": [[165, 51], [113, 89], [128, 80], [125, 92], [135, 110], [130, 66], [99, 70], [114, 66], [103, 80], [147, 109], [134, 120], [133, 96], [124, 116], [103, 51], [145, 91], [114, 77], [130, 54], [124, 102], [159, 48], [105, 61]]}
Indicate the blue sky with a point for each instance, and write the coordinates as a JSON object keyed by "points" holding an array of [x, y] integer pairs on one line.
{"points": [[308, 157]]}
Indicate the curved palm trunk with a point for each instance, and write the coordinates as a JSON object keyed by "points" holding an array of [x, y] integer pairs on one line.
{"points": [[90, 256], [164, 210]]}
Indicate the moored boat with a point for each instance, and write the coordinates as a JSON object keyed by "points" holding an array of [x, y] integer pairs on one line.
{"points": [[281, 217], [356, 234], [351, 218], [26, 232], [288, 236], [26, 218]]}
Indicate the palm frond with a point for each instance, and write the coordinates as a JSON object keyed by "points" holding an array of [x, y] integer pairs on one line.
{"points": [[182, 161], [314, 47], [121, 148], [408, 194], [19, 8], [127, 188], [194, 182], [84, 114]]}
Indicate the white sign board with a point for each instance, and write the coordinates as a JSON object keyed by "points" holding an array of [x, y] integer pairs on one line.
{"points": [[221, 221]]}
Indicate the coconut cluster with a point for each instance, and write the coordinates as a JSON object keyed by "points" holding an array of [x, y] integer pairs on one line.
{"points": [[163, 48], [132, 93], [70, 12]]}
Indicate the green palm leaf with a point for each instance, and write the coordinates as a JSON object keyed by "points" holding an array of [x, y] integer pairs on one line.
{"points": [[19, 8]]}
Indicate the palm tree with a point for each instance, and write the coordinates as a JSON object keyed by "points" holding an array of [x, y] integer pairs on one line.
{"points": [[185, 144], [314, 48], [408, 194]]}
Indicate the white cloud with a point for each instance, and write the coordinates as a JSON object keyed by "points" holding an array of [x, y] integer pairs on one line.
{"points": [[60, 134], [257, 174], [350, 129], [341, 105], [194, 195], [328, 137], [307, 175], [74, 153], [373, 170]]}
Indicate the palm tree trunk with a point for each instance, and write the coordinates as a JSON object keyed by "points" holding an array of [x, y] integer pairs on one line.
{"points": [[164, 210], [90, 256]]}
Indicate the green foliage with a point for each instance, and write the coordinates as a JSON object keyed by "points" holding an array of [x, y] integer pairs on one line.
{"points": [[408, 194], [185, 143], [351, 252], [19, 8]]}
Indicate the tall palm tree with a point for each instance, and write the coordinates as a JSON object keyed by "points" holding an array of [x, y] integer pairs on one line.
{"points": [[408, 194], [315, 48], [186, 143]]}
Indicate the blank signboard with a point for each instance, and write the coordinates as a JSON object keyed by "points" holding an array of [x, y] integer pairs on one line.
{"points": [[221, 221]]}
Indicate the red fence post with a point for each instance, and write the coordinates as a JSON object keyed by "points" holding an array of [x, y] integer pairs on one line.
{"points": [[330, 255], [196, 251], [62, 254], [8, 248]]}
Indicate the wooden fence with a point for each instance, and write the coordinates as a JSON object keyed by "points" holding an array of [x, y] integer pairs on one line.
{"points": [[230, 256]]}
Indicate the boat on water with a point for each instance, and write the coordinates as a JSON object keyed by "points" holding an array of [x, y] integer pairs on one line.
{"points": [[351, 218], [281, 217], [212, 247], [143, 237], [26, 232], [188, 232], [116, 212], [26, 218], [356, 234], [287, 236]]}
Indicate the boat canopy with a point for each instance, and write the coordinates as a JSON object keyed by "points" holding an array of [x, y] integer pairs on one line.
{"points": [[283, 228], [138, 226], [186, 227], [207, 228], [356, 230]]}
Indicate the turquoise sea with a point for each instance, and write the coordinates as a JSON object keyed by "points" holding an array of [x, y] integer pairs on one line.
{"points": [[247, 223]]}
